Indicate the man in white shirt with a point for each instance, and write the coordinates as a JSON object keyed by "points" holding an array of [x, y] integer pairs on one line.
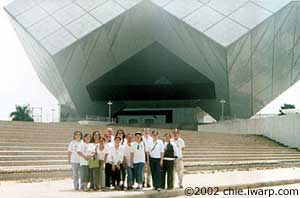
{"points": [[179, 167], [148, 141], [138, 159], [156, 155]]}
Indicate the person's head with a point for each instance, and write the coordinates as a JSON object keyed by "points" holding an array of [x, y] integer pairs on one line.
{"points": [[167, 137], [155, 134], [176, 134], [146, 132], [117, 140], [138, 136], [129, 137], [109, 131], [121, 134], [87, 138], [77, 135], [102, 140], [95, 137]]}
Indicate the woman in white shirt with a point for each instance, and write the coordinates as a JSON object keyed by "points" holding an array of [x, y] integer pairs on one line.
{"points": [[101, 155], [121, 134], [116, 157], [73, 158], [86, 152], [127, 161], [94, 172]]}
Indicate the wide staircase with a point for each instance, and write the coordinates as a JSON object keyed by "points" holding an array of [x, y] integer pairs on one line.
{"points": [[33, 151]]}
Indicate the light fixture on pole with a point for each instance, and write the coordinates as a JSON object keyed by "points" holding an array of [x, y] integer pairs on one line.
{"points": [[109, 110], [222, 101]]}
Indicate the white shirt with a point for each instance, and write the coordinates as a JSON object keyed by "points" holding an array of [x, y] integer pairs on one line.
{"points": [[86, 150], [109, 145], [127, 153], [116, 155], [147, 141], [174, 148], [139, 150], [180, 145], [73, 146], [154, 151], [100, 155]]}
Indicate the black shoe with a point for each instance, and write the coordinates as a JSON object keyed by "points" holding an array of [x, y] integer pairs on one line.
{"points": [[180, 186], [148, 186]]}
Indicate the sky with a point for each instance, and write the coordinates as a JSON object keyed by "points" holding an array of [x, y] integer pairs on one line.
{"points": [[20, 85]]}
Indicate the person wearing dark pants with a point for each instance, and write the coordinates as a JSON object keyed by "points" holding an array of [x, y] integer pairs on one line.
{"points": [[167, 170], [155, 153], [116, 156], [116, 175], [170, 155], [108, 175]]}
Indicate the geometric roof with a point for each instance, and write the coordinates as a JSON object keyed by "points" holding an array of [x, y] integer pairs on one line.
{"points": [[58, 23], [249, 50]]}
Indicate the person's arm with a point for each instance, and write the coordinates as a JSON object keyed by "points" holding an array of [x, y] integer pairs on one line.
{"points": [[125, 161], [69, 157], [69, 152], [131, 159], [162, 154], [175, 150], [83, 156], [183, 145]]}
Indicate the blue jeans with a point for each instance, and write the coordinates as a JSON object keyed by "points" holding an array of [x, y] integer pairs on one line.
{"points": [[139, 172], [130, 178], [75, 175], [156, 172]]}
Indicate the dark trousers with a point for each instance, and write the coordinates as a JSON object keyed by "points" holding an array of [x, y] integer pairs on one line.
{"points": [[156, 172], [123, 174], [116, 176], [108, 174], [167, 170]]}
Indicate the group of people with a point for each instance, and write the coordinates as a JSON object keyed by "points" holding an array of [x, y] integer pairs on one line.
{"points": [[126, 160]]}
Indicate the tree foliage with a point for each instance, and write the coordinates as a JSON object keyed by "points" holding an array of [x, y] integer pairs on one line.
{"points": [[22, 113]]}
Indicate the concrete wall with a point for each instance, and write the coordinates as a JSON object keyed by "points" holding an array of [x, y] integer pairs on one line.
{"points": [[283, 129]]}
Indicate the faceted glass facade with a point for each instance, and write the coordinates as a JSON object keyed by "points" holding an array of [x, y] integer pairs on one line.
{"points": [[247, 49]]}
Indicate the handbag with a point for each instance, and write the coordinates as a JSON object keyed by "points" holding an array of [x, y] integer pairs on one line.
{"points": [[93, 163]]}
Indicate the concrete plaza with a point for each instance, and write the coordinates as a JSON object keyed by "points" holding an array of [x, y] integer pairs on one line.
{"points": [[284, 178]]}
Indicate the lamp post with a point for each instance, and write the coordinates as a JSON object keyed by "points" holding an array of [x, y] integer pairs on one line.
{"points": [[109, 110], [222, 101]]}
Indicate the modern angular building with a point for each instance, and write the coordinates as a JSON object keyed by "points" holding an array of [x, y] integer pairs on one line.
{"points": [[162, 60]]}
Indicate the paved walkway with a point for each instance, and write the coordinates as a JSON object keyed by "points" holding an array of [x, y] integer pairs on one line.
{"points": [[63, 188]]}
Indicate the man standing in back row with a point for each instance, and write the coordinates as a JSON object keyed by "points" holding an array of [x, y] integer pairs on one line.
{"points": [[178, 166]]}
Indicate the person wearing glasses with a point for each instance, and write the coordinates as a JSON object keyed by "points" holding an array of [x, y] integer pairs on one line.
{"points": [[156, 155], [170, 156], [147, 174], [138, 158], [178, 166], [74, 159]]}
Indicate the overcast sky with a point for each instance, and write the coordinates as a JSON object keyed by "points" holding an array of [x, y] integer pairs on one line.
{"points": [[20, 85]]}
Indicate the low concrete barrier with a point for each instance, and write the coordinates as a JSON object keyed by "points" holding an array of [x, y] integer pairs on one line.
{"points": [[283, 129]]}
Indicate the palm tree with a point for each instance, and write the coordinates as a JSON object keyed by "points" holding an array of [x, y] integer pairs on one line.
{"points": [[22, 113]]}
